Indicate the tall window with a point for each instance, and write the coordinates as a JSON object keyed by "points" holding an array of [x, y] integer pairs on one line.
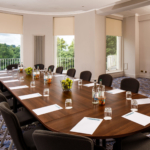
{"points": [[64, 42], [113, 53], [113, 44], [10, 39], [9, 49], [65, 51]]}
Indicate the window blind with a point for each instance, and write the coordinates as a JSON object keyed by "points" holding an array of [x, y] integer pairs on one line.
{"points": [[64, 26], [113, 27], [11, 23]]}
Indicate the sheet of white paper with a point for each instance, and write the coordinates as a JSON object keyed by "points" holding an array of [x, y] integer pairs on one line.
{"points": [[137, 118], [87, 125], [6, 77], [115, 91], [3, 73], [18, 87], [58, 75], [30, 96], [10, 81], [76, 79], [143, 101], [90, 84], [47, 109]]}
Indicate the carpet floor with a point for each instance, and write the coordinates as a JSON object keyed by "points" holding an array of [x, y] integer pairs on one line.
{"points": [[144, 90]]}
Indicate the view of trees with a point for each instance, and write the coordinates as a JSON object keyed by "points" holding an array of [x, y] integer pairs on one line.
{"points": [[9, 51], [65, 54], [111, 46]]}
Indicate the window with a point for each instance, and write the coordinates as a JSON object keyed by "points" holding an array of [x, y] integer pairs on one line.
{"points": [[113, 44], [65, 52], [64, 42], [9, 49], [113, 53]]}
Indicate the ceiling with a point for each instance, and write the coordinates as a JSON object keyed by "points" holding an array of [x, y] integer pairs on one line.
{"points": [[56, 5], [139, 11]]}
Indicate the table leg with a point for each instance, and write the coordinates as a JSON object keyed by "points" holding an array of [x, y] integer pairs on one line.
{"points": [[98, 142], [118, 145], [104, 142], [14, 105]]}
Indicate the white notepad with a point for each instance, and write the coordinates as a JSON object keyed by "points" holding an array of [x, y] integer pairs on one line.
{"points": [[30, 96], [58, 75], [87, 125], [47, 109], [89, 85], [143, 101], [3, 73], [18, 87], [6, 77], [10, 81], [115, 91], [137, 118], [76, 79]]}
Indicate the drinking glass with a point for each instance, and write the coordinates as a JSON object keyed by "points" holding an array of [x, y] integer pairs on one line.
{"points": [[108, 113], [15, 75], [21, 79], [80, 82], [46, 92], [68, 104], [128, 95], [32, 84], [134, 105], [13, 68]]}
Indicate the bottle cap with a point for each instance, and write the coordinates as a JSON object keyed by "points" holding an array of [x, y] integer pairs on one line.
{"points": [[100, 79]]}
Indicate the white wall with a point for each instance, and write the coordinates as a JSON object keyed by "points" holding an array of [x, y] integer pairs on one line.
{"points": [[37, 25], [144, 29], [129, 46], [90, 44]]}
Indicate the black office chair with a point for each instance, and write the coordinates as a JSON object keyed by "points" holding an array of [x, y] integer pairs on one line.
{"points": [[137, 141], [59, 70], [85, 75], [51, 67], [9, 67], [71, 72], [130, 84], [10, 102], [22, 141], [47, 140], [41, 66], [106, 79]]}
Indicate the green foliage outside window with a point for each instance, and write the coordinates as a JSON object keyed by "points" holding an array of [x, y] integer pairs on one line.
{"points": [[65, 54]]}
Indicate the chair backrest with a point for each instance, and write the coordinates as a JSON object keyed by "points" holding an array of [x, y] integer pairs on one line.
{"points": [[41, 66], [85, 75], [106, 79], [47, 140], [2, 97], [130, 84], [9, 67], [13, 126], [71, 72], [51, 67], [59, 70]]}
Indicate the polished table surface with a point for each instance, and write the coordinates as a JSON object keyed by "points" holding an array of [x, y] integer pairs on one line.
{"points": [[65, 119]]}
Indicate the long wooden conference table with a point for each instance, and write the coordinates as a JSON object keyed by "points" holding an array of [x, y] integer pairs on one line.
{"points": [[65, 119]]}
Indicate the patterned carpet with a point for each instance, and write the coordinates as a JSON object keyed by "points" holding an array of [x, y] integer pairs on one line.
{"points": [[144, 90]]}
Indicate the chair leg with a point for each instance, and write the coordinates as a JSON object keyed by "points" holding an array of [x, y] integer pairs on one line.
{"points": [[104, 142], [5, 134], [10, 146], [1, 124]]}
